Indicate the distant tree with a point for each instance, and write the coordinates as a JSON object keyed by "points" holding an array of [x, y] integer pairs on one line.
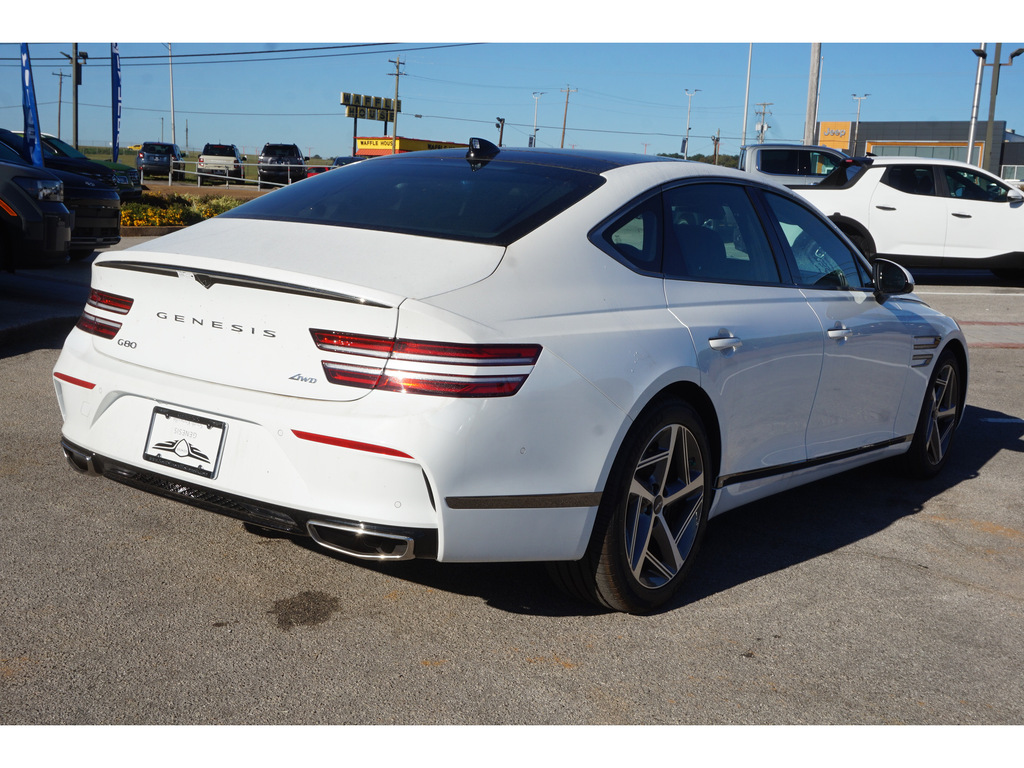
{"points": [[724, 161]]}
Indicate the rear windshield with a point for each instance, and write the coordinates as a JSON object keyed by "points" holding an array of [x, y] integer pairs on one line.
{"points": [[436, 197], [280, 150], [159, 149], [218, 149]]}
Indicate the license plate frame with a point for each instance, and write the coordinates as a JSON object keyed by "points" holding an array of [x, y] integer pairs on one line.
{"points": [[185, 441]]}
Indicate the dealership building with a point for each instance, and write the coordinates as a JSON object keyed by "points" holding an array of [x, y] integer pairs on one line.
{"points": [[944, 140]]}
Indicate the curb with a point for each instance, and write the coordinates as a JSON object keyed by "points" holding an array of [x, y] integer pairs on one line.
{"points": [[147, 231]]}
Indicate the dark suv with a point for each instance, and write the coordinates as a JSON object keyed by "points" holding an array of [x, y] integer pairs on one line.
{"points": [[35, 226], [160, 159], [281, 164], [96, 207]]}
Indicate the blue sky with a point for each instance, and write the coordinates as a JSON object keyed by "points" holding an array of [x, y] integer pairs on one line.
{"points": [[626, 94]]}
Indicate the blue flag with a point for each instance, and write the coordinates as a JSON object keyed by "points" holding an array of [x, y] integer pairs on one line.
{"points": [[28, 106], [115, 96]]}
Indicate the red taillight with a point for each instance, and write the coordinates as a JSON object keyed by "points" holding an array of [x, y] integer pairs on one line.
{"points": [[98, 326], [357, 344], [452, 386], [101, 326], [110, 301], [412, 366]]}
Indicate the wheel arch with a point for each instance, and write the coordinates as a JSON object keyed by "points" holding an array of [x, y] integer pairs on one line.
{"points": [[856, 231], [691, 393]]}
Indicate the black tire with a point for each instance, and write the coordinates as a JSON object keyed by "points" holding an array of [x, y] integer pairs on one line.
{"points": [[652, 515], [940, 414], [863, 243]]}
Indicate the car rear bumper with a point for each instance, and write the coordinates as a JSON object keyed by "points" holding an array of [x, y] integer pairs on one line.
{"points": [[351, 537]]}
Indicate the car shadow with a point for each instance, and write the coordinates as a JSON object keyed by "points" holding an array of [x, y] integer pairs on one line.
{"points": [[963, 277], [747, 543]]}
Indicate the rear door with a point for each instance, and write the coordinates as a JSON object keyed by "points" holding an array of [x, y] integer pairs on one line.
{"points": [[905, 215], [758, 344]]}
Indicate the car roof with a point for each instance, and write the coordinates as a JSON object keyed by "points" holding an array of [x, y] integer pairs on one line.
{"points": [[913, 160], [592, 161]]}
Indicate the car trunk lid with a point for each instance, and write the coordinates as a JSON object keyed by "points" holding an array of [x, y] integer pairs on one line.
{"points": [[235, 301]]}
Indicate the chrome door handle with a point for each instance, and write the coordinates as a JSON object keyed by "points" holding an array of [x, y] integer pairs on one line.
{"points": [[840, 332], [725, 342]]}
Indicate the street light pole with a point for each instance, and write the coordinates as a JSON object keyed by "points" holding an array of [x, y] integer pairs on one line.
{"points": [[981, 54], [856, 126], [992, 96], [170, 69], [689, 101], [536, 100]]}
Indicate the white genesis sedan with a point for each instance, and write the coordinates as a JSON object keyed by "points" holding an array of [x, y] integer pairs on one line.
{"points": [[507, 355]]}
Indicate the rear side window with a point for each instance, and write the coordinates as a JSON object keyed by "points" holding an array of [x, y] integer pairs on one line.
{"points": [[911, 179], [714, 233], [495, 203], [636, 236]]}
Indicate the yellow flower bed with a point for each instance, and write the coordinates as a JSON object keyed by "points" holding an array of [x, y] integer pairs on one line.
{"points": [[173, 210]]}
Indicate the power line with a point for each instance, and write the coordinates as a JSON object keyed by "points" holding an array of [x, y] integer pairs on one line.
{"points": [[260, 56]]}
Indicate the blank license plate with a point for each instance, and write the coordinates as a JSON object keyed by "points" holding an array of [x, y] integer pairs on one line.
{"points": [[184, 441]]}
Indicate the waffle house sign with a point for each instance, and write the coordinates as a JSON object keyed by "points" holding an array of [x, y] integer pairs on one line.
{"points": [[364, 107], [370, 146]]}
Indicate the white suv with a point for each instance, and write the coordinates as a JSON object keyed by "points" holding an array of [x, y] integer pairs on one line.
{"points": [[926, 212]]}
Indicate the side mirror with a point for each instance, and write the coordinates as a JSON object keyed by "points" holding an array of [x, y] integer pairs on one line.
{"points": [[890, 279], [1014, 195]]}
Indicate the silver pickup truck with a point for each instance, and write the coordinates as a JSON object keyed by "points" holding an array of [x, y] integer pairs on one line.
{"points": [[220, 160], [790, 164]]}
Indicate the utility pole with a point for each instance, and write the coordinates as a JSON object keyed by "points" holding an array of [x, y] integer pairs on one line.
{"points": [[394, 124], [856, 126], [762, 123], [813, 85], [500, 125], [715, 140], [60, 91], [567, 90]]}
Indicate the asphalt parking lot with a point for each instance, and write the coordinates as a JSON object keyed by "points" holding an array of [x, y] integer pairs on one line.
{"points": [[863, 599]]}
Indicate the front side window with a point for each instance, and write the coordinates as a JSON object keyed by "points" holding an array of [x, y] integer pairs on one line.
{"points": [[967, 185], [821, 258], [713, 233]]}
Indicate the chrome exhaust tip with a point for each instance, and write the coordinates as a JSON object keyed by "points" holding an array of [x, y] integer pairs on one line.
{"points": [[360, 542], [81, 462]]}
